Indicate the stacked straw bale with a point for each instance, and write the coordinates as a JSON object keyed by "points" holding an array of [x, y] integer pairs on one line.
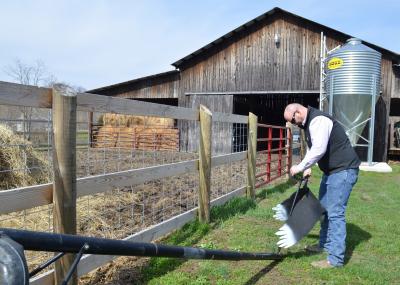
{"points": [[20, 164], [136, 132]]}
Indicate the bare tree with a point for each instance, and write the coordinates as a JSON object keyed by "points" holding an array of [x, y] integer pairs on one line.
{"points": [[36, 75]]}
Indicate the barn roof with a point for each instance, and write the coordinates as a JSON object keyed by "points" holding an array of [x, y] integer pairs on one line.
{"points": [[150, 80], [221, 43], [242, 30]]}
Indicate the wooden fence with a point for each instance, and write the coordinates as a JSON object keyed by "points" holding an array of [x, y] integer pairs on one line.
{"points": [[66, 188]]}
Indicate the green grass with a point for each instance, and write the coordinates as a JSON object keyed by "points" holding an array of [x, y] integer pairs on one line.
{"points": [[373, 241]]}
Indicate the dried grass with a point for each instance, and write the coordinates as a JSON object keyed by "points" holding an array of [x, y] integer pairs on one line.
{"points": [[137, 132], [139, 137], [128, 121], [20, 164]]}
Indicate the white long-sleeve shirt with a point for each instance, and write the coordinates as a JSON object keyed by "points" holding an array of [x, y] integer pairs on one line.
{"points": [[320, 130]]}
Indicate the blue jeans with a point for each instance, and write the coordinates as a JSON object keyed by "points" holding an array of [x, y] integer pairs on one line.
{"points": [[334, 192]]}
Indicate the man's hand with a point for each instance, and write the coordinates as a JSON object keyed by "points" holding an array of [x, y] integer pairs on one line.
{"points": [[294, 170], [307, 173]]}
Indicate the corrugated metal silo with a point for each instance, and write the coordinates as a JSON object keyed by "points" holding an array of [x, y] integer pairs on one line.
{"points": [[353, 74]]}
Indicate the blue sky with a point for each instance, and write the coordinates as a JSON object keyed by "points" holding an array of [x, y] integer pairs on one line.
{"points": [[96, 43]]}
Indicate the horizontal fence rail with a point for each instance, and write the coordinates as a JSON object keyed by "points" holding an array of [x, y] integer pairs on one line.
{"points": [[32, 96], [24, 95], [28, 197]]}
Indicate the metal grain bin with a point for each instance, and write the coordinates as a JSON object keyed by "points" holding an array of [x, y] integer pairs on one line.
{"points": [[352, 79]]}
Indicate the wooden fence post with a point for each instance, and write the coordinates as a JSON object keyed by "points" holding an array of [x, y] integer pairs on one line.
{"points": [[205, 164], [64, 166], [251, 156], [289, 148], [303, 144], [90, 128]]}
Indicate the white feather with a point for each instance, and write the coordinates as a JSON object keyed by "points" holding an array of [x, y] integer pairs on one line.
{"points": [[286, 237], [280, 213]]}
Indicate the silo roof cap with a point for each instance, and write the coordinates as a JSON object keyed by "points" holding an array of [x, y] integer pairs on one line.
{"points": [[354, 45], [354, 41]]}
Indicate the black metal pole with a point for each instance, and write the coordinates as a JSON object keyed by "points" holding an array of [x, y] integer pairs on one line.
{"points": [[74, 265], [297, 193], [40, 241], [44, 265]]}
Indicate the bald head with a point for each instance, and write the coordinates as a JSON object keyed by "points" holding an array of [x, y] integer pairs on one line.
{"points": [[295, 113]]}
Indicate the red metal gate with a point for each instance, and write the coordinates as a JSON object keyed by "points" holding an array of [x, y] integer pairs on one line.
{"points": [[274, 153]]}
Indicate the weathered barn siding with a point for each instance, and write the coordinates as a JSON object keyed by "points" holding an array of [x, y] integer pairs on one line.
{"points": [[163, 90], [392, 137], [222, 132], [382, 110], [247, 59], [254, 63], [396, 82], [162, 85], [394, 109]]}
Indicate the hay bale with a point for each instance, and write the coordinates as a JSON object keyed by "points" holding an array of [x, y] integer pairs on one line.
{"points": [[106, 136], [140, 137], [137, 132], [29, 166], [118, 120]]}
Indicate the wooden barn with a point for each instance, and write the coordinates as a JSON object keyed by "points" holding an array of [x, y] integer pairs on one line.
{"points": [[260, 67]]}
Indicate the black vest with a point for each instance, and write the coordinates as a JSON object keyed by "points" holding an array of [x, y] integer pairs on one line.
{"points": [[339, 154]]}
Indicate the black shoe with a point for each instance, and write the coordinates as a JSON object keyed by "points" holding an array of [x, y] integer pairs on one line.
{"points": [[315, 248]]}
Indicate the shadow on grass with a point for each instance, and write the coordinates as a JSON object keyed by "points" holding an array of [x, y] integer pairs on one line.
{"points": [[238, 205], [280, 188], [262, 272], [314, 236], [194, 231], [355, 236]]}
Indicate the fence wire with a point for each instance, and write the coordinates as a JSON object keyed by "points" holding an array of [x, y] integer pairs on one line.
{"points": [[121, 212], [25, 136], [114, 143], [26, 160]]}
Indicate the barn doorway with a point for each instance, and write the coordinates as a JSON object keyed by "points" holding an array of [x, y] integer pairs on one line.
{"points": [[164, 101], [269, 107]]}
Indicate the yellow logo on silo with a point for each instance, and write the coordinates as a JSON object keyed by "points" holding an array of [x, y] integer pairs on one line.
{"points": [[335, 63]]}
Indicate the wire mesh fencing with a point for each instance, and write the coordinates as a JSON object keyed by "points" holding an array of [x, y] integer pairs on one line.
{"points": [[26, 160], [297, 136], [25, 139], [116, 143], [228, 138], [112, 144], [121, 142], [122, 212], [115, 147]]}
